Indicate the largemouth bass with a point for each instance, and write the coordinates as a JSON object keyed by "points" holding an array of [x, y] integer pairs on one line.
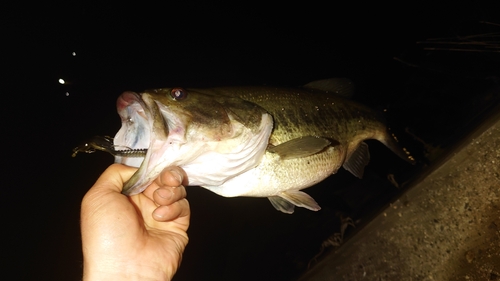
{"points": [[250, 141]]}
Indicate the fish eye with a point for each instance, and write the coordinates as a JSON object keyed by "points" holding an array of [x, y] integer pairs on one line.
{"points": [[178, 93]]}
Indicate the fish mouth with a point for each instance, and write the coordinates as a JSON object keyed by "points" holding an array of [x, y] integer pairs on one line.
{"points": [[143, 127], [135, 132]]}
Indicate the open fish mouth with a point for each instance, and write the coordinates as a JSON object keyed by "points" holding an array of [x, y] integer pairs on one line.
{"points": [[140, 139], [143, 128], [135, 132]]}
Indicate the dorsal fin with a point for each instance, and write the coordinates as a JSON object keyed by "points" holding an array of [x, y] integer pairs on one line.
{"points": [[340, 86]]}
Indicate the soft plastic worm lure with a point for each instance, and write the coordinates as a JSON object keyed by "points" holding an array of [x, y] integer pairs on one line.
{"points": [[106, 144]]}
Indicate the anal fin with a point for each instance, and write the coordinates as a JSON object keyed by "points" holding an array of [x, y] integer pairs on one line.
{"points": [[286, 201], [358, 160], [281, 204]]}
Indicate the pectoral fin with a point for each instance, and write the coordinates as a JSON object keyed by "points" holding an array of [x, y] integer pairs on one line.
{"points": [[358, 160], [300, 147], [286, 201]]}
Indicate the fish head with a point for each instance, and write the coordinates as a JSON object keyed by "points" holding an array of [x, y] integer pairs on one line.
{"points": [[180, 127]]}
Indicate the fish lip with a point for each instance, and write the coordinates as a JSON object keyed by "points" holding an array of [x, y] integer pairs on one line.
{"points": [[126, 99]]}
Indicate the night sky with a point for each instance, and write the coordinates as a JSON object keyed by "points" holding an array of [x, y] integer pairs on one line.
{"points": [[432, 94]]}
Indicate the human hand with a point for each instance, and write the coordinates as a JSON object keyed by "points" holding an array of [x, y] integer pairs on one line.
{"points": [[141, 237]]}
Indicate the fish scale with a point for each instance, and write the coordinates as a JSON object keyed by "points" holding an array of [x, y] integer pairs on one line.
{"points": [[294, 111]]}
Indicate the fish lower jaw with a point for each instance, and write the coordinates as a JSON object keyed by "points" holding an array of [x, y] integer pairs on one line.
{"points": [[129, 161]]}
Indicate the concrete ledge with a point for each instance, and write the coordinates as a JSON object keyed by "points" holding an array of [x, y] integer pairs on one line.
{"points": [[446, 227]]}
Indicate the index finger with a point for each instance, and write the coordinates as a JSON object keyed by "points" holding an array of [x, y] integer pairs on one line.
{"points": [[170, 177]]}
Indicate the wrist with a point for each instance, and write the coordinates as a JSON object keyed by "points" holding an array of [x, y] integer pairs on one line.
{"points": [[111, 271]]}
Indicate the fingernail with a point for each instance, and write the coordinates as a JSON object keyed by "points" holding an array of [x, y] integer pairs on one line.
{"points": [[177, 175], [161, 213], [164, 193], [157, 215]]}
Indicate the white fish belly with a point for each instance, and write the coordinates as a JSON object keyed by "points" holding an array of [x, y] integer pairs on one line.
{"points": [[274, 175]]}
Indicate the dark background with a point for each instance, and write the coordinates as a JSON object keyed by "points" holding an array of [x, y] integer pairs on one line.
{"points": [[436, 95]]}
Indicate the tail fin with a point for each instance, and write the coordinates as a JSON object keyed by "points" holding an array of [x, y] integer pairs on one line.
{"points": [[392, 143]]}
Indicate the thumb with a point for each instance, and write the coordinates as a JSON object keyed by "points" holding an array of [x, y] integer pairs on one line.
{"points": [[113, 178], [106, 191]]}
